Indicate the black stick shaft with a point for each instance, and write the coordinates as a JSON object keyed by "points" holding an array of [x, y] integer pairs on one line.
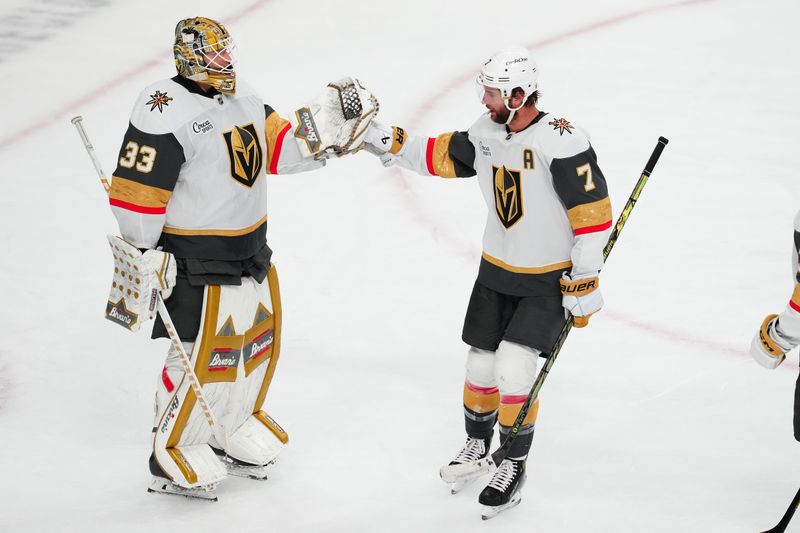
{"points": [[787, 517], [502, 451]]}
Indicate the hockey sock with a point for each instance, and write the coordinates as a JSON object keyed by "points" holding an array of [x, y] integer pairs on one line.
{"points": [[480, 410]]}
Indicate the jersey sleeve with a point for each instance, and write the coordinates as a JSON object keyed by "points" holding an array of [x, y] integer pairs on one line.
{"points": [[581, 186], [449, 155], [283, 154], [147, 170], [789, 320]]}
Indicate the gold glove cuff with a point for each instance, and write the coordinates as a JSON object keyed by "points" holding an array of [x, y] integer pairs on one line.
{"points": [[769, 345], [579, 287]]}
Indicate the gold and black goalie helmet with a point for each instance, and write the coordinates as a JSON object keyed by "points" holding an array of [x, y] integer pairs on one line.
{"points": [[204, 52]]}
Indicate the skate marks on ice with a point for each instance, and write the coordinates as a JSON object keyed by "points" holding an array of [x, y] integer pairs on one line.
{"points": [[26, 26]]}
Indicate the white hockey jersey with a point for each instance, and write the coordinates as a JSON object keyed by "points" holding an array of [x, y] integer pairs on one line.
{"points": [[191, 173], [548, 205], [788, 324]]}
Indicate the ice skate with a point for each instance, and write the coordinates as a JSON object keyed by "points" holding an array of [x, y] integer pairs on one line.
{"points": [[239, 468], [472, 451], [503, 491], [162, 485]]}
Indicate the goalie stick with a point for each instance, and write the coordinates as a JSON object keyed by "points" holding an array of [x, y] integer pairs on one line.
{"points": [[784, 523], [219, 434], [466, 471]]}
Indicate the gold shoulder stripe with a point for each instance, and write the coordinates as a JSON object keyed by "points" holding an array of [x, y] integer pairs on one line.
{"points": [[272, 128], [136, 193], [215, 232], [526, 270], [796, 295], [591, 214], [442, 163]]}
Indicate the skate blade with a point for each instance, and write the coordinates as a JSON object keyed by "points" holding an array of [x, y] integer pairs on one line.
{"points": [[492, 511], [259, 473], [458, 486], [159, 486]]}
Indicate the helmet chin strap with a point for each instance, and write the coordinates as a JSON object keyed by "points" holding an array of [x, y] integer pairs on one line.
{"points": [[512, 111]]}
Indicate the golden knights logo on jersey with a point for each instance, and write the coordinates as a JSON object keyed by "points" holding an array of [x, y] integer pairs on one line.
{"points": [[508, 195], [244, 151]]}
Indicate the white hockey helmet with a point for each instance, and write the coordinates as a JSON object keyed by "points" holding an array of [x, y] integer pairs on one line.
{"points": [[508, 69]]}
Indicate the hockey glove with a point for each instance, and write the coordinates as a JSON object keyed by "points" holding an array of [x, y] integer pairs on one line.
{"points": [[336, 122], [581, 296], [769, 347], [138, 278], [385, 142]]}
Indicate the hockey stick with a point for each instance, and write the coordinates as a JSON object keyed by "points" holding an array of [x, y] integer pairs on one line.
{"points": [[784, 523], [465, 471], [219, 434]]}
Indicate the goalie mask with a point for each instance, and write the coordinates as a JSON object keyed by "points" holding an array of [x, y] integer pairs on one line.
{"points": [[204, 52], [509, 69]]}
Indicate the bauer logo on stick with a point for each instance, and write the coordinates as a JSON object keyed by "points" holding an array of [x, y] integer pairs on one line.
{"points": [[307, 129]]}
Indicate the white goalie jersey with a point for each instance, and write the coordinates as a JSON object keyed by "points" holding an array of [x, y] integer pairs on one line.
{"points": [[191, 170]]}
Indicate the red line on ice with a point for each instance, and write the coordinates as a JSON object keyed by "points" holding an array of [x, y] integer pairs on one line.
{"points": [[78, 103]]}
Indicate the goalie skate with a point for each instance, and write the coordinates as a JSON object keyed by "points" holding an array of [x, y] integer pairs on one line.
{"points": [[161, 485], [241, 469]]}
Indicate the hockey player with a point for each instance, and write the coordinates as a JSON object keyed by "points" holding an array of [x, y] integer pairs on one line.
{"points": [[548, 220], [780, 333], [190, 191]]}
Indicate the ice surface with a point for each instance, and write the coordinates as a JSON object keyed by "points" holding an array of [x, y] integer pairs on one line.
{"points": [[653, 419]]}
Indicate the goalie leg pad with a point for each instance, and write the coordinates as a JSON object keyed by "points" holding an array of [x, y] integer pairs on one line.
{"points": [[234, 357], [238, 348], [258, 441], [180, 432]]}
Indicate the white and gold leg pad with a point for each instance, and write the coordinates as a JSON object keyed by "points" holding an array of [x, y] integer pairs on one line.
{"points": [[234, 357], [258, 440], [180, 432], [239, 344]]}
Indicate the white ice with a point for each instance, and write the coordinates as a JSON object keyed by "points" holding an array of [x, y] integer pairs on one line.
{"points": [[653, 419]]}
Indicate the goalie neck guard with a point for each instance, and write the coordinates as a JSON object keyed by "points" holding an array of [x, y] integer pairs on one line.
{"points": [[204, 52]]}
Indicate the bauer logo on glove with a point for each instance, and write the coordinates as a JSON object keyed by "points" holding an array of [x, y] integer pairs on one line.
{"points": [[581, 296], [138, 280]]}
